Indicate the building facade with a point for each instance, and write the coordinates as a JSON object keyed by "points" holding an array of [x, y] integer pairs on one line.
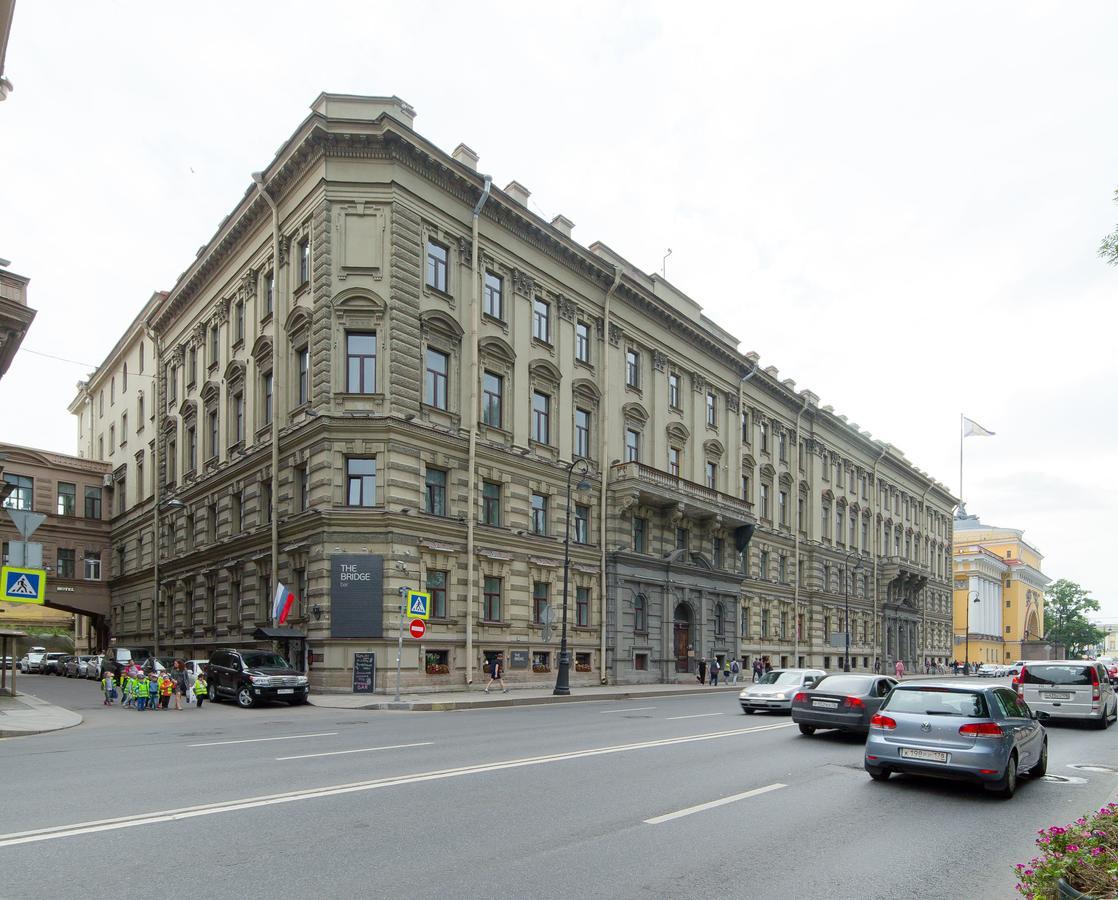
{"points": [[15, 315], [383, 372], [999, 580], [71, 545]]}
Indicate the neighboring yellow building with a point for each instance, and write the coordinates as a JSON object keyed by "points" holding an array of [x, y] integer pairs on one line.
{"points": [[998, 576]]}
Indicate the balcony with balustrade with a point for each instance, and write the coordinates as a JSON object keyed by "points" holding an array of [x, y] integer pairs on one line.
{"points": [[633, 483]]}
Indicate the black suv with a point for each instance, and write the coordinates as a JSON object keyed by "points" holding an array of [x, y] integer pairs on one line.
{"points": [[251, 675]]}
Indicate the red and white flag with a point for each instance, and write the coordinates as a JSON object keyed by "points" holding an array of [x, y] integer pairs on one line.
{"points": [[282, 603]]}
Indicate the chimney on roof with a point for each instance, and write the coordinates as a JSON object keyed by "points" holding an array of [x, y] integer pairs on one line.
{"points": [[789, 383], [753, 356], [812, 399], [772, 370], [563, 224], [518, 192], [466, 156]]}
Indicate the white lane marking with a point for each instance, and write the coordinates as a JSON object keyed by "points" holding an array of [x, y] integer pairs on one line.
{"points": [[603, 712], [171, 815], [702, 807], [362, 750], [286, 737], [696, 716]]}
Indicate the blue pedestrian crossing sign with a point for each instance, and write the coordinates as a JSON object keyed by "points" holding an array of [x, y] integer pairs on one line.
{"points": [[23, 585], [419, 605]]}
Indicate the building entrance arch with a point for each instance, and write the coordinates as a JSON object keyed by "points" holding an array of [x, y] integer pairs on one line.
{"points": [[682, 641]]}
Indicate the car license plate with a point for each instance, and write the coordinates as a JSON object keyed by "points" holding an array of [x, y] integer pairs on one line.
{"points": [[929, 755], [825, 704], [286, 691], [1057, 696]]}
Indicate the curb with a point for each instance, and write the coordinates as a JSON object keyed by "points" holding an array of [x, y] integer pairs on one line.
{"points": [[70, 719]]}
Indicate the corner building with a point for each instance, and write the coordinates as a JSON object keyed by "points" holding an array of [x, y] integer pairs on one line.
{"points": [[384, 384]]}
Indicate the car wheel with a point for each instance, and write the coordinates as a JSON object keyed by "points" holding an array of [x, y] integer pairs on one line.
{"points": [[1041, 767], [1006, 787], [1101, 723], [748, 712], [878, 774], [808, 730], [245, 699]]}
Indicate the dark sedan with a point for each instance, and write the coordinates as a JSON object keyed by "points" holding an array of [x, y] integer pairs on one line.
{"points": [[845, 702]]}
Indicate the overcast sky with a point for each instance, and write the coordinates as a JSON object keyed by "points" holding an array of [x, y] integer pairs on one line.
{"points": [[897, 204]]}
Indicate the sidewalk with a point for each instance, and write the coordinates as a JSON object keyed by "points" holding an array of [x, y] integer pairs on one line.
{"points": [[25, 714]]}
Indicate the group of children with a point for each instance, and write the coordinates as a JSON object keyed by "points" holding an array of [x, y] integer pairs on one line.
{"points": [[151, 691]]}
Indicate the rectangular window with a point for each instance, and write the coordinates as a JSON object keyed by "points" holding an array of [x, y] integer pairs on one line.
{"points": [[361, 482], [782, 447], [745, 428], [712, 411], [800, 517], [67, 499], [745, 488], [140, 477], [682, 539], [435, 383], [435, 488], [191, 449], [215, 345], [582, 524], [302, 488], [172, 461], [541, 320], [436, 266], [123, 429], [238, 322], [640, 662], [140, 412], [582, 433], [214, 442], [712, 475], [236, 512], [493, 389], [264, 492], [582, 607], [112, 438], [92, 567], [764, 623], [640, 534], [865, 536], [782, 504], [267, 390], [65, 563], [763, 574], [582, 342], [673, 390], [539, 513], [764, 437], [436, 587], [303, 390], [269, 294], [764, 501], [361, 362], [717, 552], [493, 298], [539, 600], [838, 526], [304, 261], [632, 445], [238, 417], [541, 417], [632, 368], [101, 447], [491, 594], [490, 503]]}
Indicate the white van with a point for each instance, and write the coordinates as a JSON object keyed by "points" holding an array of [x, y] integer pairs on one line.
{"points": [[1069, 689]]}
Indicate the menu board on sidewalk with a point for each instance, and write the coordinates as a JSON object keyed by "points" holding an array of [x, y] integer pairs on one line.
{"points": [[364, 672]]}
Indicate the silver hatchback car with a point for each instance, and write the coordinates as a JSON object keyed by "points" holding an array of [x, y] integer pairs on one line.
{"points": [[972, 732]]}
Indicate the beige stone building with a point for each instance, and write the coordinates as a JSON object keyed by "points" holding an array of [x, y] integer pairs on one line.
{"points": [[15, 315], [380, 372]]}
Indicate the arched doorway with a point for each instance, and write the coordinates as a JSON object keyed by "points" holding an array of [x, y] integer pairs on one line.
{"points": [[1032, 627], [682, 640]]}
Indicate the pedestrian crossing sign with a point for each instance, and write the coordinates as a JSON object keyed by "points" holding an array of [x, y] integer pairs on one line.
{"points": [[419, 605], [23, 585]]}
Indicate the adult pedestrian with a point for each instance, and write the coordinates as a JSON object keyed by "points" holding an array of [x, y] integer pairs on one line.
{"points": [[877, 665], [702, 671], [768, 665], [179, 682], [715, 671], [735, 669], [899, 668], [497, 673], [758, 669]]}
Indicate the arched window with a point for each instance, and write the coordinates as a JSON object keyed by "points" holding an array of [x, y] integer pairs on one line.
{"points": [[640, 613], [719, 618]]}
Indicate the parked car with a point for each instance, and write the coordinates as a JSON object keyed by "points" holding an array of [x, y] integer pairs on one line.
{"points": [[1069, 689], [75, 666], [93, 668], [846, 702], [194, 667], [776, 689], [52, 663], [33, 661], [159, 663], [249, 676], [975, 732], [121, 657]]}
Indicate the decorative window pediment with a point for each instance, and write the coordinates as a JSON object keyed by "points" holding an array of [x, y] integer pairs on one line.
{"points": [[634, 412], [498, 349], [436, 322], [262, 349], [170, 424], [586, 390], [828, 494], [234, 372], [714, 448], [298, 320], [211, 390], [543, 370], [188, 409]]}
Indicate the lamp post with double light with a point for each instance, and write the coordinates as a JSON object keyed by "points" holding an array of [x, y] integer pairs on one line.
{"points": [[563, 679], [846, 573]]}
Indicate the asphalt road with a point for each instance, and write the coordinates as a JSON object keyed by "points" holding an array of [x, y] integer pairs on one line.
{"points": [[602, 799]]}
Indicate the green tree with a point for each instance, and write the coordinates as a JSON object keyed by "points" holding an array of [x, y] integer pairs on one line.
{"points": [[1108, 249], [1066, 606]]}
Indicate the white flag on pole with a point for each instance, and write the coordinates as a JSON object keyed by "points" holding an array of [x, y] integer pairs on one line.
{"points": [[972, 429]]}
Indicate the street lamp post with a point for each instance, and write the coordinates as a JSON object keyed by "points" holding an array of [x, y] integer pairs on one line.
{"points": [[563, 679], [846, 621], [966, 659]]}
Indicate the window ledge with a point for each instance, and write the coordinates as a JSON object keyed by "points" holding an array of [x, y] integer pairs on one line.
{"points": [[431, 289], [266, 318], [546, 345], [239, 343], [490, 624]]}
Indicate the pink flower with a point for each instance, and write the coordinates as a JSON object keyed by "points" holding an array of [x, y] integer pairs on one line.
{"points": [[1097, 851], [1028, 872], [1080, 821], [1042, 840], [1072, 848]]}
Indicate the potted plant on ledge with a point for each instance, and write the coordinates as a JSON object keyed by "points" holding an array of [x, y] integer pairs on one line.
{"points": [[1075, 861]]}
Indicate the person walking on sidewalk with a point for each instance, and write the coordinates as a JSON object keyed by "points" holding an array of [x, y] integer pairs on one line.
{"points": [[108, 685], [715, 671], [758, 669], [702, 671], [497, 673], [735, 670], [201, 689], [899, 668]]}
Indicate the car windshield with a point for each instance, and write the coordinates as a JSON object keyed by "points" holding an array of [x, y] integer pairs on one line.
{"points": [[1048, 674], [265, 660], [845, 684], [782, 678], [937, 702]]}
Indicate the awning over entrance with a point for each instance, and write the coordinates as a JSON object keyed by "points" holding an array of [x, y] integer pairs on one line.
{"points": [[278, 634]]}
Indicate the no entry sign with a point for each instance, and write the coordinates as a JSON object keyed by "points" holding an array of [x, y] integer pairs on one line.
{"points": [[418, 628]]}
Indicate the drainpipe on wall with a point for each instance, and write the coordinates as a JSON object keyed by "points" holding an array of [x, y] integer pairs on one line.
{"points": [[924, 605], [471, 424], [796, 554], [741, 407], [156, 543], [877, 540], [279, 399], [603, 455]]}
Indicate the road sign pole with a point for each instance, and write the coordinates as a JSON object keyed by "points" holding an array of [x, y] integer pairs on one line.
{"points": [[400, 640]]}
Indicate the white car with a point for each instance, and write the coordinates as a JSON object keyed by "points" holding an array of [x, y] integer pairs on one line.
{"points": [[194, 667], [989, 670], [776, 689]]}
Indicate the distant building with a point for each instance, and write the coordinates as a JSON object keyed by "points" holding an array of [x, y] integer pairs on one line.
{"points": [[15, 316], [998, 577]]}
